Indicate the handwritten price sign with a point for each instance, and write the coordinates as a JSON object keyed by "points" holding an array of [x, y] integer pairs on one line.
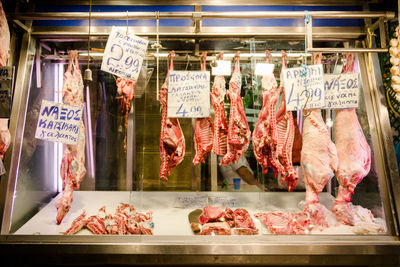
{"points": [[295, 96], [124, 54], [59, 122], [189, 94], [342, 90]]}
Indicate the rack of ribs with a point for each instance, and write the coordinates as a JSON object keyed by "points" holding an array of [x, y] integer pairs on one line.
{"points": [[172, 141], [72, 168], [238, 129], [203, 134], [220, 125], [354, 155]]}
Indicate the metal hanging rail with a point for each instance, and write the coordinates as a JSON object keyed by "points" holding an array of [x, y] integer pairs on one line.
{"points": [[205, 15]]}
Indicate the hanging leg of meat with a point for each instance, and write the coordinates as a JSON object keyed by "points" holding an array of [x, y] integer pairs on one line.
{"points": [[203, 139], [354, 156], [318, 162], [5, 136], [238, 130], [220, 125], [172, 140], [72, 168]]}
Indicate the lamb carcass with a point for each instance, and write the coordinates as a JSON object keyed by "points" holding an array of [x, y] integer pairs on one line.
{"points": [[5, 136], [72, 168], [238, 130], [318, 161], [285, 138], [354, 156], [203, 134], [172, 141], [220, 125]]}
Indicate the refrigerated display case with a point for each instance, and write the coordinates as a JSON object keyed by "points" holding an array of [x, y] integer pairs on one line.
{"points": [[33, 183]]}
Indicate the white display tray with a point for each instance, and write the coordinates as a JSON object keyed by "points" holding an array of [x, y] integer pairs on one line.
{"points": [[167, 217]]}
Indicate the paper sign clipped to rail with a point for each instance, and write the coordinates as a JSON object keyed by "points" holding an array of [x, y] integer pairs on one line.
{"points": [[189, 94], [59, 122], [123, 55], [342, 90], [295, 94], [264, 69], [5, 91], [224, 67]]}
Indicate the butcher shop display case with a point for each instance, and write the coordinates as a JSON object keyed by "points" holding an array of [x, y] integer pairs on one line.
{"points": [[211, 153]]}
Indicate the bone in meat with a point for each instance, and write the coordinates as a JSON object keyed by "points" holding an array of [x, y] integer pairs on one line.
{"points": [[72, 168], [220, 125], [238, 129], [172, 141], [354, 156], [203, 134]]}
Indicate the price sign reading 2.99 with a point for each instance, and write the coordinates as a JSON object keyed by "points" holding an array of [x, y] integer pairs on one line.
{"points": [[189, 94], [124, 54]]}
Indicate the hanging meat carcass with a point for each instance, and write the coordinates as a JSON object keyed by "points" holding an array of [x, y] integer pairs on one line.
{"points": [[126, 90], [172, 141], [285, 138], [73, 162], [5, 136], [238, 129], [318, 161], [354, 155], [203, 134], [220, 125]]}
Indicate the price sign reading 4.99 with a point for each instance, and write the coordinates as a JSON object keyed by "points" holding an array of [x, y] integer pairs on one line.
{"points": [[189, 94], [124, 54]]}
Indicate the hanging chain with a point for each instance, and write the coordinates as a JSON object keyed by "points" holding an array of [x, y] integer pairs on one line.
{"points": [[90, 26]]}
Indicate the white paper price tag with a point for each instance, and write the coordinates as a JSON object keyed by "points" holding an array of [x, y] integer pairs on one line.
{"points": [[189, 94], [223, 68], [294, 83], [342, 90], [59, 122], [264, 69], [123, 55]]}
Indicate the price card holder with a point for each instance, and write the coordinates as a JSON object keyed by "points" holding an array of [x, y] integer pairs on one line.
{"points": [[224, 67], [264, 69], [342, 90], [295, 85], [6, 77], [59, 122], [123, 55], [189, 94]]}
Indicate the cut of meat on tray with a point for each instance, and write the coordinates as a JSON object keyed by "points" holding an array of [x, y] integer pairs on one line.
{"points": [[126, 220], [216, 228], [354, 155], [203, 134], [172, 140], [218, 93], [211, 214], [285, 223], [238, 129], [72, 168], [126, 90]]}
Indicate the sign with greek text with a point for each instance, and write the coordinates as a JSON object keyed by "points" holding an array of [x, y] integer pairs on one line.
{"points": [[264, 69], [123, 55], [59, 122], [5, 91], [342, 90], [295, 93], [189, 94], [223, 68]]}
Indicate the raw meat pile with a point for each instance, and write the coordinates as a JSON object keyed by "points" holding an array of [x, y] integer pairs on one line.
{"points": [[220, 125], [203, 134], [125, 221], [5, 136], [73, 162], [395, 60], [285, 223], [354, 155], [126, 89], [216, 221], [238, 130], [172, 141], [319, 160]]}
